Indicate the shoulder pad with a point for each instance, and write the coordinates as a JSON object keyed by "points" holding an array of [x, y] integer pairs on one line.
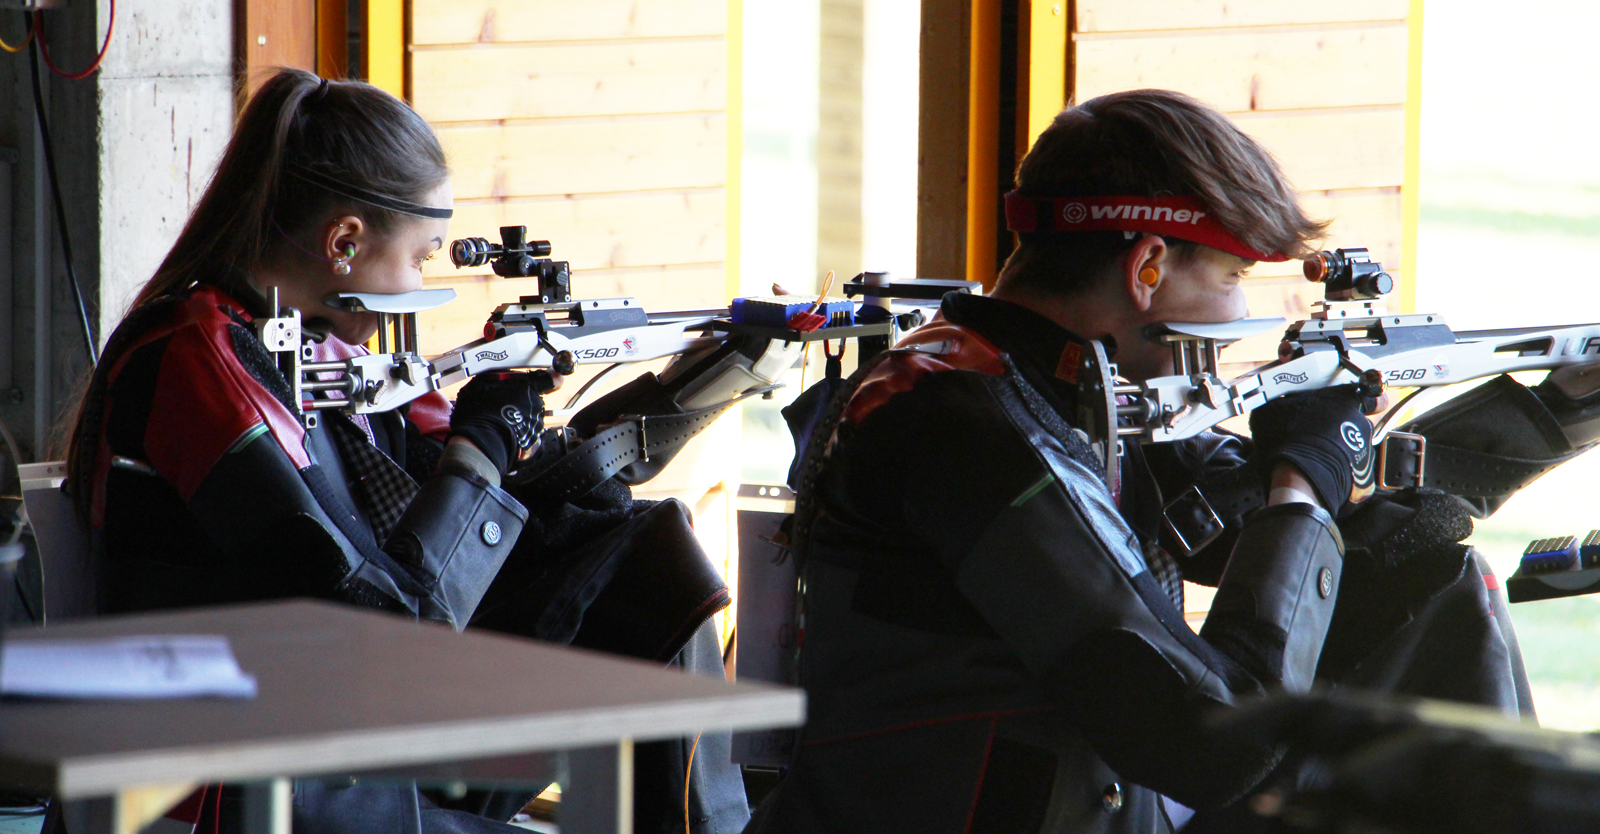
{"points": [[938, 347]]}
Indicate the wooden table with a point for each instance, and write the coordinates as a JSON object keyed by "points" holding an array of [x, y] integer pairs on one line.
{"points": [[349, 691]]}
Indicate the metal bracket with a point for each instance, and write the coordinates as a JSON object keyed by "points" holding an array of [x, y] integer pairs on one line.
{"points": [[1097, 409], [1195, 512], [1420, 453], [283, 335]]}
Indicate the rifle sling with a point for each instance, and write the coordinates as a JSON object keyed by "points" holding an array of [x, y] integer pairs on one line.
{"points": [[633, 438], [1471, 473]]}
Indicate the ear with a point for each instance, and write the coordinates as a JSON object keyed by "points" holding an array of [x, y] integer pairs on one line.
{"points": [[342, 234], [1149, 254]]}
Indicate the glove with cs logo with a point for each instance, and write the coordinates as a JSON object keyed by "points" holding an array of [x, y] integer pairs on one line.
{"points": [[502, 413], [1327, 436]]}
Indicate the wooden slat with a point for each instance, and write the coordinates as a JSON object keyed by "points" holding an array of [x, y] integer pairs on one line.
{"points": [[527, 159], [660, 290], [944, 78], [1146, 15], [1281, 297], [839, 138], [1364, 219], [1285, 297], [1239, 71], [274, 33], [1370, 219], [591, 79], [599, 232], [500, 21], [1047, 48], [1337, 149], [333, 38], [385, 39]]}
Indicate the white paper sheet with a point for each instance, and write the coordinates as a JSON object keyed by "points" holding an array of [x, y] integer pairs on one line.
{"points": [[164, 666]]}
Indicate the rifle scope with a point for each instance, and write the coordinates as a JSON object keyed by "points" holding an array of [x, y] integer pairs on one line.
{"points": [[477, 251], [517, 257], [1348, 275]]}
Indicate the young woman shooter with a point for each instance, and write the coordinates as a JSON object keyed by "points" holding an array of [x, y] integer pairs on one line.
{"points": [[190, 461]]}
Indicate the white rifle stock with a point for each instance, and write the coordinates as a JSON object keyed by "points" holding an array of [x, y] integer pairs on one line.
{"points": [[1346, 341]]}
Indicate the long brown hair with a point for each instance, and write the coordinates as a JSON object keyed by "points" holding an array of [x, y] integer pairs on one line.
{"points": [[253, 211]]}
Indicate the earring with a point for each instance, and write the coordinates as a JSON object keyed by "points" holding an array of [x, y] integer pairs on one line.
{"points": [[1150, 277], [341, 264]]}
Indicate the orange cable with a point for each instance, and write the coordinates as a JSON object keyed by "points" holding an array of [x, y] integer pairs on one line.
{"points": [[25, 41], [688, 771]]}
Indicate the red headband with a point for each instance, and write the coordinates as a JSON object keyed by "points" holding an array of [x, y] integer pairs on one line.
{"points": [[1180, 217]]}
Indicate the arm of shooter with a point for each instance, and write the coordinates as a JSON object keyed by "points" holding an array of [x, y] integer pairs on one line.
{"points": [[1035, 543]]}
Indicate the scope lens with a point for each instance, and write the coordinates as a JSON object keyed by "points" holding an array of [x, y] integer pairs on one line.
{"points": [[472, 251], [1317, 266]]}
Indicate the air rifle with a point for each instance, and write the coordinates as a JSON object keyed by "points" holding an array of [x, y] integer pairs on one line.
{"points": [[1350, 338], [719, 356]]}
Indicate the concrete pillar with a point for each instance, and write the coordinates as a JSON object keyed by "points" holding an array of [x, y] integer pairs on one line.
{"points": [[134, 145], [166, 110]]}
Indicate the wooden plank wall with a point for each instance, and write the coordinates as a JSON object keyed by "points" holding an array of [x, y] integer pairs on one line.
{"points": [[270, 34], [1321, 85], [602, 127], [842, 41]]}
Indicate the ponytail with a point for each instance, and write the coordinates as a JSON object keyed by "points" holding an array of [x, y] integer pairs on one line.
{"points": [[345, 132], [348, 131]]}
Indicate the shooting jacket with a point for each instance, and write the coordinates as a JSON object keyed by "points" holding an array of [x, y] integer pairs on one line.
{"points": [[208, 490], [987, 646]]}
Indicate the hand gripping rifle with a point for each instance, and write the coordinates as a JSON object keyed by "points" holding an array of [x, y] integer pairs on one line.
{"points": [[719, 357], [1349, 338]]}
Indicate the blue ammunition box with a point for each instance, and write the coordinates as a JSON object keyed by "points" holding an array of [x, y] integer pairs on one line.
{"points": [[1550, 555], [776, 310]]}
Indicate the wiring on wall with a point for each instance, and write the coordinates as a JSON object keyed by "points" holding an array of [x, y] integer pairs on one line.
{"points": [[55, 181], [111, 25], [27, 39]]}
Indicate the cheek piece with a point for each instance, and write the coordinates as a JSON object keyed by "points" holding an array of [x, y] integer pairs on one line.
{"points": [[1184, 218]]}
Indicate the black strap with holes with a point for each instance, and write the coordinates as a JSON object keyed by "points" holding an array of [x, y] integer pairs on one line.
{"points": [[633, 438]]}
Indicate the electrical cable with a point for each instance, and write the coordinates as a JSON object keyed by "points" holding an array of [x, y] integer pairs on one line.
{"points": [[200, 809], [27, 39], [688, 771], [111, 25], [61, 210]]}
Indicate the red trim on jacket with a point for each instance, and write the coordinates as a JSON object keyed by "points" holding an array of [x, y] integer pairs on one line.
{"points": [[204, 399], [962, 350], [431, 414]]}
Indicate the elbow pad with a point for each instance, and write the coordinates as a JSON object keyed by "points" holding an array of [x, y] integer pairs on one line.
{"points": [[1276, 598], [454, 537]]}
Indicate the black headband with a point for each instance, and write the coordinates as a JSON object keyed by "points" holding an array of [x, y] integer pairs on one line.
{"points": [[362, 195]]}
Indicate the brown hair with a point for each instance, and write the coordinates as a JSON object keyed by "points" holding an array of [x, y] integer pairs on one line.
{"points": [[1149, 143], [254, 210], [348, 130]]}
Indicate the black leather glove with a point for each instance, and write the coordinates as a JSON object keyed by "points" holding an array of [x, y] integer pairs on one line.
{"points": [[502, 413], [1326, 436]]}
